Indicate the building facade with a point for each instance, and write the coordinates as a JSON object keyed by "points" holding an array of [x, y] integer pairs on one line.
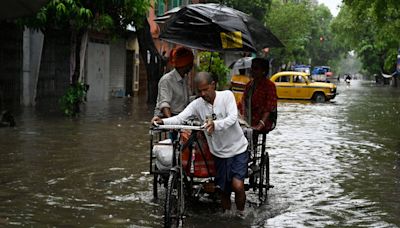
{"points": [[36, 68]]}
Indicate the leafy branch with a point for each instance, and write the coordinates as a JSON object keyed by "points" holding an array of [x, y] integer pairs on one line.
{"points": [[217, 67]]}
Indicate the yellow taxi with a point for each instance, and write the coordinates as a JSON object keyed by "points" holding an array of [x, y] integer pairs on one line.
{"points": [[296, 85]]}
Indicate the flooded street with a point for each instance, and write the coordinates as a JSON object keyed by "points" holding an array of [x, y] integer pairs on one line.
{"points": [[335, 164]]}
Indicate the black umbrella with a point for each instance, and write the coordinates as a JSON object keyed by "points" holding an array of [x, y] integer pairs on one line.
{"points": [[167, 15], [10, 9], [216, 27]]}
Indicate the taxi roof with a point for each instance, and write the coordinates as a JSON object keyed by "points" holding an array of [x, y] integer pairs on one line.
{"points": [[290, 73]]}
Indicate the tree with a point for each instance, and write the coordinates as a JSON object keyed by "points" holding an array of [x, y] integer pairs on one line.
{"points": [[370, 28], [255, 8], [305, 30], [218, 68], [358, 36], [291, 23], [153, 61], [321, 42]]}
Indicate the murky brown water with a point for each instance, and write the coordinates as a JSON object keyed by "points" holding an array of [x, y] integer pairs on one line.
{"points": [[334, 164]]}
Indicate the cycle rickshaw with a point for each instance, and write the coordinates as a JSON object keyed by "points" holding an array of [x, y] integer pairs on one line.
{"points": [[191, 170], [211, 27]]}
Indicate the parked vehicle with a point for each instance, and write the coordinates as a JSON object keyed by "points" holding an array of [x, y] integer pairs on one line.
{"points": [[321, 74], [302, 68], [297, 85]]}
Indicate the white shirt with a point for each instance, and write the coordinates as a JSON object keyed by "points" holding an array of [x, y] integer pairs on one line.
{"points": [[172, 93], [228, 139]]}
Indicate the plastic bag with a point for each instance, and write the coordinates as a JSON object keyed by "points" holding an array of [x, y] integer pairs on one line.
{"points": [[164, 154]]}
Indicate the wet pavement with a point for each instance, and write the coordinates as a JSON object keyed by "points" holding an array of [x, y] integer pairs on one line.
{"points": [[334, 164]]}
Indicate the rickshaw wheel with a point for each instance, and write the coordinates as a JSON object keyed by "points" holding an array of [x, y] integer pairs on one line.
{"points": [[155, 186], [171, 207], [263, 184]]}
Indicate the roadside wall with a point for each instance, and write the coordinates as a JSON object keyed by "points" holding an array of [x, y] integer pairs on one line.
{"points": [[54, 69], [117, 68], [10, 65]]}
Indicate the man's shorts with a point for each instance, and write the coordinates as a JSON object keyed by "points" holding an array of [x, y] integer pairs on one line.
{"points": [[228, 168]]}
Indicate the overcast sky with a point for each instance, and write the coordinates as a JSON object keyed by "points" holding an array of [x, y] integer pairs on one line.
{"points": [[332, 5]]}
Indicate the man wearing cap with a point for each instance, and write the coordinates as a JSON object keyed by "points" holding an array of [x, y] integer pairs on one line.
{"points": [[173, 93]]}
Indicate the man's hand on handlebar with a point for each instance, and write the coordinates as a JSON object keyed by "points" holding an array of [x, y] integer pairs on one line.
{"points": [[258, 127], [210, 127], [156, 121]]}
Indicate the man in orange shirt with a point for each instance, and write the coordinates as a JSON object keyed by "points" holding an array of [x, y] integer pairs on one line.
{"points": [[259, 102]]}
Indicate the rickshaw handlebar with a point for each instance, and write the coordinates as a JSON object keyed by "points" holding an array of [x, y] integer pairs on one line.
{"points": [[178, 127]]}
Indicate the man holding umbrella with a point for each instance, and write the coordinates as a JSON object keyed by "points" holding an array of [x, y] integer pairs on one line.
{"points": [[173, 93]]}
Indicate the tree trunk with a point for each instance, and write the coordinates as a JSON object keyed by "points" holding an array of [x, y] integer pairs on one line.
{"points": [[76, 48], [152, 59], [77, 59]]}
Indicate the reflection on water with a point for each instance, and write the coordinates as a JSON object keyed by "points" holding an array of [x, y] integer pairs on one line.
{"points": [[332, 164]]}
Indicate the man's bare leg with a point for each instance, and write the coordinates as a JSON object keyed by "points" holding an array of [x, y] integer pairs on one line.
{"points": [[240, 194], [226, 201]]}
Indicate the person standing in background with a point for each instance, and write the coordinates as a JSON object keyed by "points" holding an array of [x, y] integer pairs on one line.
{"points": [[173, 93]]}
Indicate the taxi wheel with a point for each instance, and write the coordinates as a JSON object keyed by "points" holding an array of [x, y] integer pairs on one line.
{"points": [[319, 97]]}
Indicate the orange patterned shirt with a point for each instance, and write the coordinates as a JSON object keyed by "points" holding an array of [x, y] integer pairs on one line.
{"points": [[263, 100]]}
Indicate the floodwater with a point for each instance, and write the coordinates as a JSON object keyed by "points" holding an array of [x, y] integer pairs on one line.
{"points": [[335, 164]]}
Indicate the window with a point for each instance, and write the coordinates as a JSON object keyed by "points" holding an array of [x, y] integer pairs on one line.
{"points": [[298, 79], [283, 79]]}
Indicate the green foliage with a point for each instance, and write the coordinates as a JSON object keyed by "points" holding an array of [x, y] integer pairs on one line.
{"points": [[370, 28], [300, 26], [256, 8], [108, 15], [72, 98], [348, 64], [291, 23], [327, 51], [218, 67]]}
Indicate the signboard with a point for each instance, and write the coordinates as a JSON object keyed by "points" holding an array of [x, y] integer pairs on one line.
{"points": [[231, 40]]}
